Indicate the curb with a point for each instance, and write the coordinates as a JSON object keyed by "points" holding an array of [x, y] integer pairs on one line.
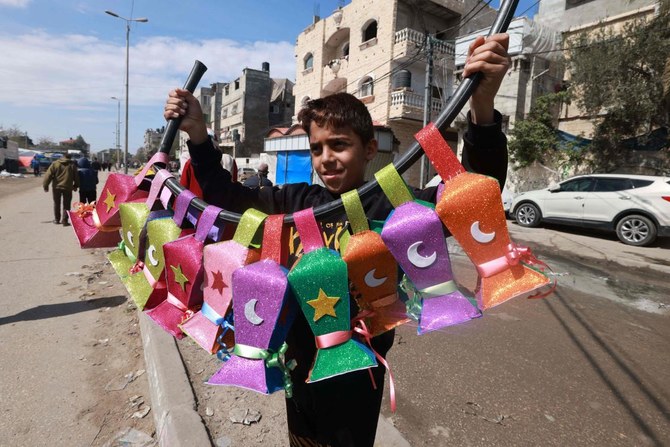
{"points": [[173, 405], [172, 400]]}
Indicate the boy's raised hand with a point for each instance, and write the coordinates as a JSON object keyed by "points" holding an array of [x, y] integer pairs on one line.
{"points": [[488, 56], [182, 103]]}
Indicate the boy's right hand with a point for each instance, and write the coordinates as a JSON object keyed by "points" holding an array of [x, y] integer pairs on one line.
{"points": [[182, 103]]}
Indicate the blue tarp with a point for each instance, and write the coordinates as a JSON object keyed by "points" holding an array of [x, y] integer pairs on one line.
{"points": [[294, 167]]}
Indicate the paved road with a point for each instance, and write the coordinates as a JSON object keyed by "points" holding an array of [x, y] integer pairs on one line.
{"points": [[67, 334]]}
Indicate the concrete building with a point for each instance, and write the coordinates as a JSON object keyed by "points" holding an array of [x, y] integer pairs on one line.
{"points": [[572, 18], [375, 50], [249, 105], [152, 139]]}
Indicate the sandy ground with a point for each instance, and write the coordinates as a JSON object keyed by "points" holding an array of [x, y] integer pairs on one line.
{"points": [[71, 356]]}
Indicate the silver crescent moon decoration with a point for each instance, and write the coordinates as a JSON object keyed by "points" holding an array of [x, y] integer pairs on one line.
{"points": [[250, 312], [479, 236], [129, 236], [372, 281], [151, 252], [416, 259]]}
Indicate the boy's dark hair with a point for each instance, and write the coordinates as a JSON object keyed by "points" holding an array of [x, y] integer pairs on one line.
{"points": [[338, 111]]}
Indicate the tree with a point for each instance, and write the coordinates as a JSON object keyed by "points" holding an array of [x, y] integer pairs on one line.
{"points": [[617, 79], [536, 139]]}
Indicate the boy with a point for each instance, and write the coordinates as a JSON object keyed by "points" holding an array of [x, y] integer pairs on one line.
{"points": [[343, 411]]}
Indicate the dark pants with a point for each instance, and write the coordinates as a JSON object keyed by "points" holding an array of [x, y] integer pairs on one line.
{"points": [[87, 196], [66, 197], [36, 171]]}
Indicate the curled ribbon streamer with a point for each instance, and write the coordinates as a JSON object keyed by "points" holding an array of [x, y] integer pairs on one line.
{"points": [[332, 339], [139, 265], [212, 315], [224, 353], [84, 210], [278, 360], [360, 328]]}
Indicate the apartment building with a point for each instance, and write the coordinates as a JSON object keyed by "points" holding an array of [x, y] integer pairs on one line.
{"points": [[377, 50]]}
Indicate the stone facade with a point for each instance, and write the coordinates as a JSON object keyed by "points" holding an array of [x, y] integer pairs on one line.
{"points": [[373, 49]]}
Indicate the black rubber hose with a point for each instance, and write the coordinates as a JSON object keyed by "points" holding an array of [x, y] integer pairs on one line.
{"points": [[443, 121]]}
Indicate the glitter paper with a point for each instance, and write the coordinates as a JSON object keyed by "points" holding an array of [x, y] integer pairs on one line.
{"points": [[264, 285], [373, 273], [323, 269], [472, 198], [413, 233]]}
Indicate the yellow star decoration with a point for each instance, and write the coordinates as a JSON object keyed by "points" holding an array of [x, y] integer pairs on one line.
{"points": [[109, 201], [324, 305], [179, 277]]}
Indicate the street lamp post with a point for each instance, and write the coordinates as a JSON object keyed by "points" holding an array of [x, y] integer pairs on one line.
{"points": [[142, 20], [118, 124]]}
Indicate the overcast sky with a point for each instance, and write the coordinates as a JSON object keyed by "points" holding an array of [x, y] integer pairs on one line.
{"points": [[63, 60]]}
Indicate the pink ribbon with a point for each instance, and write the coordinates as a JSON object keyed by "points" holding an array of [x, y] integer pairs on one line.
{"points": [[153, 282], [513, 255], [84, 210], [360, 328], [332, 339]]}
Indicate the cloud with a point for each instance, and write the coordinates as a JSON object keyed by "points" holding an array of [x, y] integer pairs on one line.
{"points": [[76, 70], [15, 3]]}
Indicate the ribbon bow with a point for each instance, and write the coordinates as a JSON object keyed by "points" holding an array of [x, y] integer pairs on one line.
{"points": [[278, 360], [516, 253], [513, 255], [83, 209]]}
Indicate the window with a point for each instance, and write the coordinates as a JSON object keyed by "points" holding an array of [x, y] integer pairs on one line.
{"points": [[345, 50], [367, 86], [237, 84], [308, 61], [224, 113], [370, 31], [579, 185], [612, 184], [234, 110], [274, 108], [226, 90], [641, 183]]}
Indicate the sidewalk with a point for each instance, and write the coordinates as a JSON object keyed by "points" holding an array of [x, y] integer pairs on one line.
{"points": [[173, 401]]}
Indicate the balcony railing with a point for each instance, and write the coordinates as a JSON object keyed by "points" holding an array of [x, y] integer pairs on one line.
{"points": [[409, 35], [403, 100]]}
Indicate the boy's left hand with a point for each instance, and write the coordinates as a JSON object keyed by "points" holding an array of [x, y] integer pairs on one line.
{"points": [[488, 56]]}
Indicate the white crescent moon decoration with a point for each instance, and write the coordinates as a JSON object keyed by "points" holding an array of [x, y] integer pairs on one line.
{"points": [[129, 236], [479, 236], [416, 259], [372, 281], [250, 312], [151, 252]]}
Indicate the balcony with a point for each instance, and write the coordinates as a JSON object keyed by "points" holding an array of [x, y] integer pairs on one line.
{"points": [[407, 41], [406, 104]]}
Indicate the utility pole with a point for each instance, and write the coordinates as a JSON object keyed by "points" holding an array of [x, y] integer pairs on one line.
{"points": [[427, 104]]}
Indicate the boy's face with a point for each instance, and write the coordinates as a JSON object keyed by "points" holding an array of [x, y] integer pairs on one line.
{"points": [[339, 157]]}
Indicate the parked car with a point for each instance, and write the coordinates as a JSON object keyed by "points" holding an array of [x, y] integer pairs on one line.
{"points": [[636, 207]]}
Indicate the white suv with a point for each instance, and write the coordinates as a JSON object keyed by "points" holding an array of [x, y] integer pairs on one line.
{"points": [[637, 207]]}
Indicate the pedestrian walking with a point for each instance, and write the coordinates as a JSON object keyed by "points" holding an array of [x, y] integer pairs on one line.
{"points": [[35, 165], [96, 164], [88, 179], [64, 176]]}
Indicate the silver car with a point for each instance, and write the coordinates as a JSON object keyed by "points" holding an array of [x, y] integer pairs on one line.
{"points": [[636, 207]]}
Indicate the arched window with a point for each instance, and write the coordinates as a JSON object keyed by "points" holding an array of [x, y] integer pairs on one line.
{"points": [[367, 87], [308, 61], [370, 31]]}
